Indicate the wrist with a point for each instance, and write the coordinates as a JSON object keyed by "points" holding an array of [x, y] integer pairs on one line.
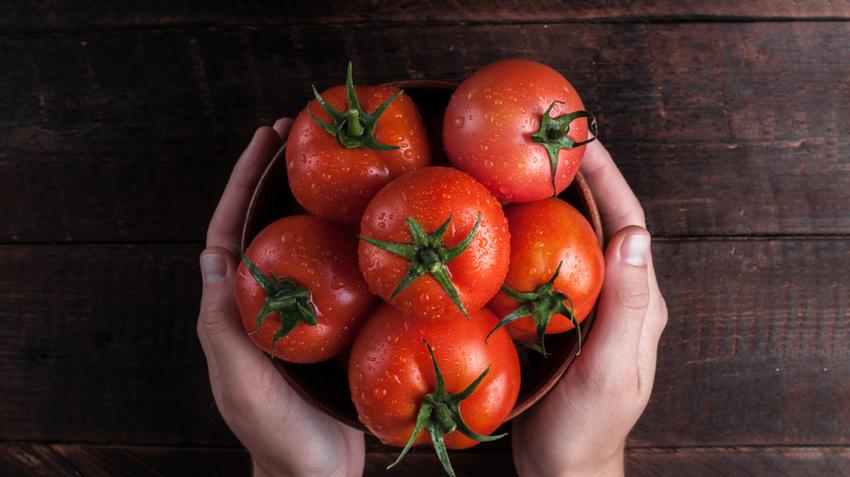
{"points": [[610, 464], [260, 469]]}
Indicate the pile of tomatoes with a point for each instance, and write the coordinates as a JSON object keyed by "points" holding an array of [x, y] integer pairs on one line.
{"points": [[428, 274]]}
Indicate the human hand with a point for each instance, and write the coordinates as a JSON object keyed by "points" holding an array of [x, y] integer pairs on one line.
{"points": [[581, 426], [284, 434]]}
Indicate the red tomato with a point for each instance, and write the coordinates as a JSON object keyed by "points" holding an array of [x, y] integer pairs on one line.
{"points": [[546, 235], [392, 376], [305, 274], [499, 128], [433, 241], [336, 165]]}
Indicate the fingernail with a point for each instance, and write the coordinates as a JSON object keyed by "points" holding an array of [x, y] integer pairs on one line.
{"points": [[213, 268], [634, 249]]}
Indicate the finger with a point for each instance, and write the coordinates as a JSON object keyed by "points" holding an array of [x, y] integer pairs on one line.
{"points": [[281, 126], [225, 343], [226, 222], [618, 205], [624, 300]]}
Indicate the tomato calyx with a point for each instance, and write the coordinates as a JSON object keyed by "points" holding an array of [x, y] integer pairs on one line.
{"points": [[540, 305], [552, 135], [291, 301], [353, 127], [439, 412], [428, 254]]}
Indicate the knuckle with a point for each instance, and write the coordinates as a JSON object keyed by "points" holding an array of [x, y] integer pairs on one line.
{"points": [[633, 297], [663, 315], [213, 322], [231, 402]]}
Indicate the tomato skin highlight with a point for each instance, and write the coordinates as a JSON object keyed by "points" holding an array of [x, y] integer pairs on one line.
{"points": [[390, 372], [336, 183], [489, 121], [316, 254], [430, 195], [544, 234]]}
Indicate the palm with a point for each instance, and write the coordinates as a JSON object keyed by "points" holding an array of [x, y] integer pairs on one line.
{"points": [[291, 434]]}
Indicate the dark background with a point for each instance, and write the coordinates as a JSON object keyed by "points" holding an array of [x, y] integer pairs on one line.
{"points": [[119, 125]]}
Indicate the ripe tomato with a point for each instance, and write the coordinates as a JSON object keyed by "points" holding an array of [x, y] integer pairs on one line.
{"points": [[341, 153], [551, 243], [397, 392], [298, 289], [434, 240], [519, 127]]}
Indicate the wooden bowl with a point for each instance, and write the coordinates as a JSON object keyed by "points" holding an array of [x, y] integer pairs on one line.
{"points": [[325, 385]]}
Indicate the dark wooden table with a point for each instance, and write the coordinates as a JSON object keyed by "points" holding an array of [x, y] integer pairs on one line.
{"points": [[119, 125]]}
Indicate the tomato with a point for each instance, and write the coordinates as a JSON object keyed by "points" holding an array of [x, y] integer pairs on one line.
{"points": [[557, 265], [392, 378], [298, 289], [335, 165], [434, 240], [519, 127]]}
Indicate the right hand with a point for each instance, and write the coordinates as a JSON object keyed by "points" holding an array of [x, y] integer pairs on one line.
{"points": [[580, 427]]}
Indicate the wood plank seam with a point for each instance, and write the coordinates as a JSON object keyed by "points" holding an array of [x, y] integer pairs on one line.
{"points": [[275, 26]]}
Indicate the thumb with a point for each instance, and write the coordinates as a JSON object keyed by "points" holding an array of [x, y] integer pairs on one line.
{"points": [[624, 300], [218, 306], [219, 325]]}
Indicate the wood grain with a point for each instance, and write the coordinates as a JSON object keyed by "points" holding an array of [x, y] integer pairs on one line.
{"points": [[757, 351], [95, 461], [63, 15], [721, 128]]}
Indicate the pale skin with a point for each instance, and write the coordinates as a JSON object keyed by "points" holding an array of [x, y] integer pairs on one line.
{"points": [[578, 429]]}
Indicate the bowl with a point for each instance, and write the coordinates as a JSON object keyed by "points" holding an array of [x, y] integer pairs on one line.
{"points": [[325, 385]]}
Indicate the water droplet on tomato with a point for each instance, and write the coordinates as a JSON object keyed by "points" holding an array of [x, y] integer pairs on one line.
{"points": [[314, 188], [459, 121], [337, 283], [286, 237]]}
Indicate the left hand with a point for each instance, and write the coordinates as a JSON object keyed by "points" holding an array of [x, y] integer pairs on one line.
{"points": [[284, 434]]}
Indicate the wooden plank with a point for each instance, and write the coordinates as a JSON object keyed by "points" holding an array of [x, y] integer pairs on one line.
{"points": [[33, 460], [63, 15], [111, 330], [757, 351], [757, 345], [724, 461], [140, 130], [93, 461]]}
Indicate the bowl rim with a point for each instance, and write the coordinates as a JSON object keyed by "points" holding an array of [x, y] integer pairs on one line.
{"points": [[589, 210]]}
